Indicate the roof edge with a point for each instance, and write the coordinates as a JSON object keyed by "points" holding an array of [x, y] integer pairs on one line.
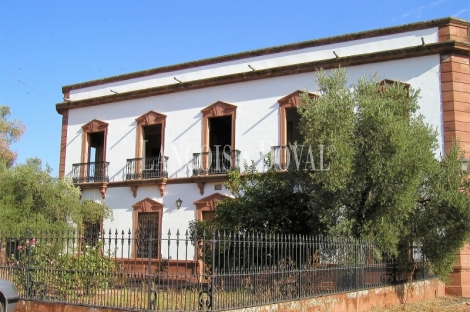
{"points": [[270, 50], [415, 51]]}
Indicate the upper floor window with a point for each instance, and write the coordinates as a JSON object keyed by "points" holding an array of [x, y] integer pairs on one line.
{"points": [[218, 153], [218, 126], [388, 82], [149, 161], [150, 135], [93, 166], [289, 119], [289, 128], [94, 141]]}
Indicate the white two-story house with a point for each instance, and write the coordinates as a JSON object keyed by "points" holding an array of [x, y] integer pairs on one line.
{"points": [[156, 145]]}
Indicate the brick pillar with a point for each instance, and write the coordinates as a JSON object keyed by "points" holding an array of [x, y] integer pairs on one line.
{"points": [[455, 87], [460, 278], [63, 143]]}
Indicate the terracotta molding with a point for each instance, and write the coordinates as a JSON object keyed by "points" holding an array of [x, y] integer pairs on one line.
{"points": [[101, 186], [63, 143], [92, 127], [149, 119], [272, 50], [429, 49], [200, 185], [289, 101], [180, 180], [132, 184], [149, 182], [208, 203], [146, 205], [161, 187], [218, 109], [390, 82], [134, 190]]}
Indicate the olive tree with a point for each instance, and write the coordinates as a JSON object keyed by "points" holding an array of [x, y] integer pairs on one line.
{"points": [[31, 199], [387, 180], [10, 132]]}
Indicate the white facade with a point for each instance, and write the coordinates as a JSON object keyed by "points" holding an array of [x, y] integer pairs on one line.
{"points": [[257, 124]]}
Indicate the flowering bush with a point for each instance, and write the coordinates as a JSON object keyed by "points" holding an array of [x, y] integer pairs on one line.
{"points": [[49, 267]]}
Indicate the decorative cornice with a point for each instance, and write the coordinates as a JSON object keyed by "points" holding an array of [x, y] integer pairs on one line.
{"points": [[95, 126], [151, 118], [218, 109], [210, 201], [147, 205], [367, 58], [293, 99], [271, 50]]}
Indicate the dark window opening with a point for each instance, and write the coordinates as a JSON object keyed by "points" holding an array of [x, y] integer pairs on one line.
{"points": [[96, 168], [147, 227], [152, 140], [96, 147], [152, 160], [292, 126], [220, 132], [220, 143]]}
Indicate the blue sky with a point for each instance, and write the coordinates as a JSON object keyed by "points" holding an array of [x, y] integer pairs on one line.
{"points": [[47, 44]]}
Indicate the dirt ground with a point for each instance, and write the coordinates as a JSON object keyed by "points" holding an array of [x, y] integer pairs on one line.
{"points": [[447, 303]]}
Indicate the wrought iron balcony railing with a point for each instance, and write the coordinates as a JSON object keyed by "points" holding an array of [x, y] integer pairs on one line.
{"points": [[90, 172], [147, 168], [215, 162], [279, 157]]}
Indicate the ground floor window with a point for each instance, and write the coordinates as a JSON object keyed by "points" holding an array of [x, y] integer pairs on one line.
{"points": [[147, 235], [91, 233]]}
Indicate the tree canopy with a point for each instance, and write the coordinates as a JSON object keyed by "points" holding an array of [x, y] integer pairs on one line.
{"points": [[31, 199], [10, 132], [384, 180]]}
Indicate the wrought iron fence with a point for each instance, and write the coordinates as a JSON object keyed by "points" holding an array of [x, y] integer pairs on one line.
{"points": [[90, 172], [218, 162], [147, 168], [193, 272]]}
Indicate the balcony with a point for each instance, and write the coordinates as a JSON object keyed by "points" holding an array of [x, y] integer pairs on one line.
{"points": [[147, 168], [90, 172], [209, 163]]}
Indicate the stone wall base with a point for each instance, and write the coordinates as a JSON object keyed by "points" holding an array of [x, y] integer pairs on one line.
{"points": [[356, 301]]}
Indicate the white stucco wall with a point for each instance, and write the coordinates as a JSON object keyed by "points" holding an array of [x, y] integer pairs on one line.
{"points": [[257, 123], [350, 48]]}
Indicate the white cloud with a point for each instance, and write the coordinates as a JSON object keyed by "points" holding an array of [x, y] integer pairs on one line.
{"points": [[459, 12], [418, 12], [436, 3]]}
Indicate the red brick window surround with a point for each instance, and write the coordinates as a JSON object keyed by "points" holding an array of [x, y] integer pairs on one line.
{"points": [[94, 126], [149, 119], [147, 219], [205, 207], [218, 109], [289, 101]]}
